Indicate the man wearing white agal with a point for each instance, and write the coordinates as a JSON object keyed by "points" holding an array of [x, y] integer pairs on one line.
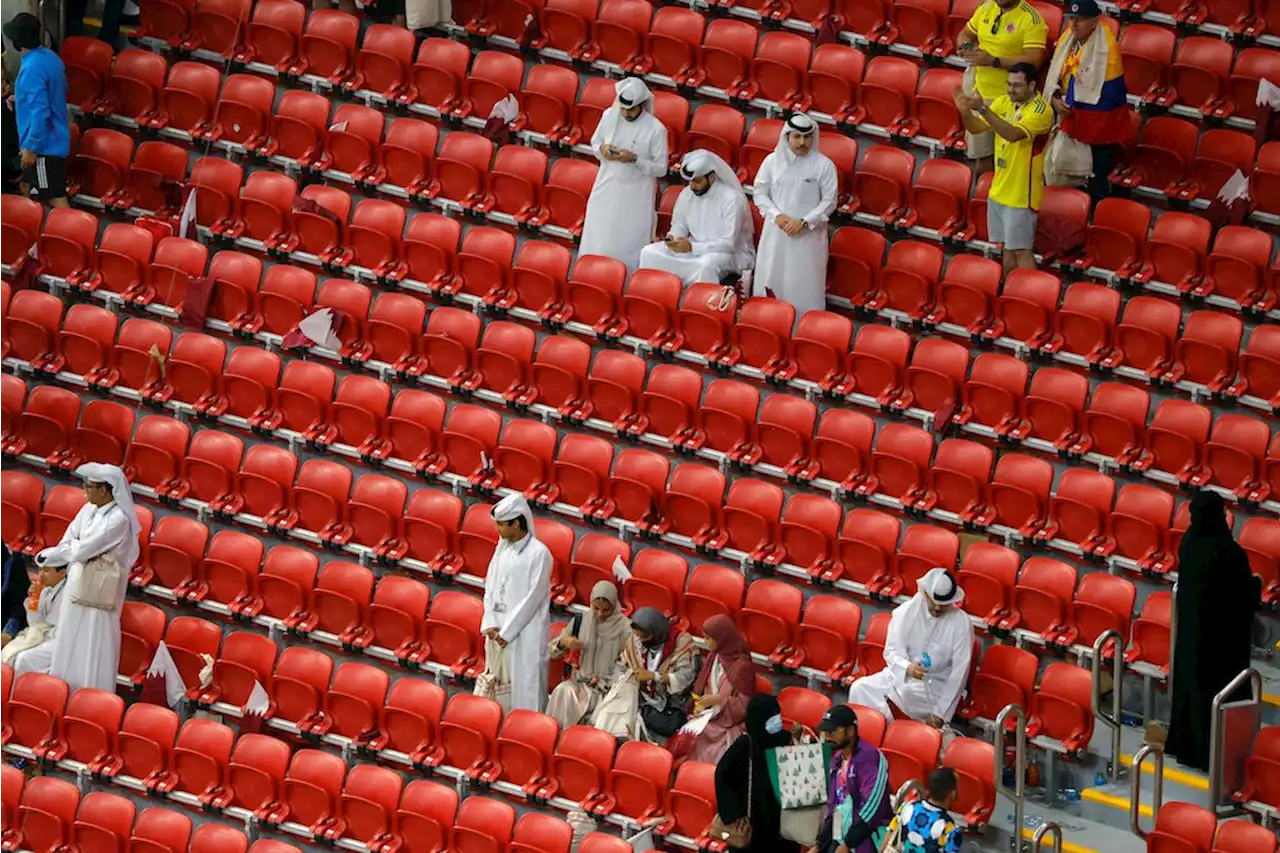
{"points": [[926, 655], [795, 191], [517, 602], [86, 649], [632, 147], [711, 235]]}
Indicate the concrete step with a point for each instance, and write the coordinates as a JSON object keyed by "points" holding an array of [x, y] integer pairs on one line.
{"points": [[1080, 833]]}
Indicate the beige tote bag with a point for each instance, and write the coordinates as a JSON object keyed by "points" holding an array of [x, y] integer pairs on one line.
{"points": [[97, 582]]}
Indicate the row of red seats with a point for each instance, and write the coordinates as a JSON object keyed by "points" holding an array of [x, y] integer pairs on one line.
{"points": [[1145, 333], [1177, 251], [727, 417], [1193, 829], [45, 813], [411, 717], [1202, 72], [1149, 336], [1055, 405], [345, 602], [1170, 152], [840, 82], [258, 774], [128, 259]]}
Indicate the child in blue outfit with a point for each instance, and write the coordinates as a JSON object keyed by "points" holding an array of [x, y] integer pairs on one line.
{"points": [[925, 825]]}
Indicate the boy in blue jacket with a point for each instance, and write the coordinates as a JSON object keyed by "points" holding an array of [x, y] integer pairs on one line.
{"points": [[40, 101]]}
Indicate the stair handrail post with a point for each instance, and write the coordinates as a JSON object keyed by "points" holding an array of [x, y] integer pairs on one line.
{"points": [[1217, 727], [1156, 754], [1111, 718], [1047, 828], [1019, 790]]}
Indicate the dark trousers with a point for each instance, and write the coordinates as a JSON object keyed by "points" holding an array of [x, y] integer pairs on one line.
{"points": [[112, 12], [1099, 184]]}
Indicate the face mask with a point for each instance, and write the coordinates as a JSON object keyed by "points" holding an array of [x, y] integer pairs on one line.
{"points": [[773, 725]]}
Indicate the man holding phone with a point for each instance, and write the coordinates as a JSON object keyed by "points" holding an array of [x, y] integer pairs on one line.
{"points": [[999, 35], [712, 235]]}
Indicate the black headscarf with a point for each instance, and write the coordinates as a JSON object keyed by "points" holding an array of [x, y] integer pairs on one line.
{"points": [[747, 758], [1217, 596]]}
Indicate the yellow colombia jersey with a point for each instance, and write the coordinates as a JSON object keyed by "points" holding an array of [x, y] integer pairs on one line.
{"points": [[1004, 35], [1019, 177]]}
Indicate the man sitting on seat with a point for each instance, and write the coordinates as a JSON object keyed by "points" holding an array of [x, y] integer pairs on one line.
{"points": [[926, 655], [711, 236]]}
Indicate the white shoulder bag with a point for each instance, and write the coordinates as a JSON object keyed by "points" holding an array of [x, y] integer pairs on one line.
{"points": [[97, 582]]}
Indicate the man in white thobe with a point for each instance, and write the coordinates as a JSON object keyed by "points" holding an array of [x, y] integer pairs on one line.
{"points": [[517, 602], [711, 235], [32, 649], [631, 145], [795, 191], [926, 655], [86, 652]]}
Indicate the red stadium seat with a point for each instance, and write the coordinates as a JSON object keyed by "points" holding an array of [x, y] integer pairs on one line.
{"points": [[911, 749], [328, 45], [675, 40], [727, 48], [1237, 267], [1042, 597], [1182, 826], [275, 32], [134, 84], [988, 575], [1150, 639], [87, 62], [713, 590], [769, 615], [936, 373], [888, 90]]}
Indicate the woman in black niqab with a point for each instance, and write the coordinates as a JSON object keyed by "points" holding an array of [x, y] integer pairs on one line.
{"points": [[1215, 601], [745, 759]]}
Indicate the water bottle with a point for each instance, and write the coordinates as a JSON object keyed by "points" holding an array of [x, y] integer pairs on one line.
{"points": [[926, 661], [1099, 780]]}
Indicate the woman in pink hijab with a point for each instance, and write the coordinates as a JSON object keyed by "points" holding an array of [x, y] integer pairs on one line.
{"points": [[725, 685]]}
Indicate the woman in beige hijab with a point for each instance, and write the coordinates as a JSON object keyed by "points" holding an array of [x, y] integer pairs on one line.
{"points": [[598, 636]]}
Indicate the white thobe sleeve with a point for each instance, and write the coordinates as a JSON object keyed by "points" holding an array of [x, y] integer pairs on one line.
{"points": [[58, 555], [895, 647], [598, 141], [947, 693], [537, 582], [653, 162], [96, 534], [829, 185], [490, 618], [762, 188]]}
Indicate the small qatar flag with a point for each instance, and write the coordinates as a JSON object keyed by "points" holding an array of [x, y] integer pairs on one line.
{"points": [[187, 221], [255, 709], [164, 685], [620, 570]]}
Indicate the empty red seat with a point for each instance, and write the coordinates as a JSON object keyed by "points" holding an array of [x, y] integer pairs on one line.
{"points": [[1042, 597], [1149, 640], [134, 84], [888, 90], [911, 750], [769, 615], [328, 45], [1182, 826], [1237, 266], [987, 577], [1207, 348]]}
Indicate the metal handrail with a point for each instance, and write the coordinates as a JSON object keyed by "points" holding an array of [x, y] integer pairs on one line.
{"points": [[1217, 726], [1044, 829], [1095, 694], [1019, 790], [1135, 786]]}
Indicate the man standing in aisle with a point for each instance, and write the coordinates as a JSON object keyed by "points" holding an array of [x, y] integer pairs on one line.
{"points": [[517, 603], [40, 102], [999, 35], [1021, 121], [711, 235], [795, 191], [1086, 88], [632, 147]]}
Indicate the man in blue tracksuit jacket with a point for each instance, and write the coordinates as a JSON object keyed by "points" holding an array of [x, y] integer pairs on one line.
{"points": [[40, 100]]}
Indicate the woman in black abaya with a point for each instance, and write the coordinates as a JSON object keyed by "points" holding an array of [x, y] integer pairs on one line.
{"points": [[1215, 600], [745, 760]]}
